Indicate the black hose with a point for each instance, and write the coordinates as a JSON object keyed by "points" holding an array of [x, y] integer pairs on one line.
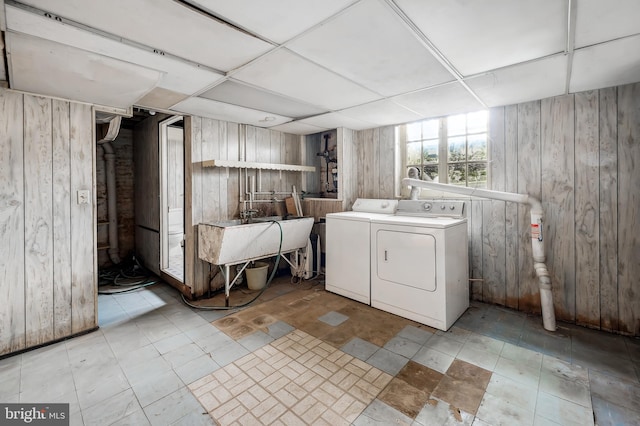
{"points": [[133, 276]]}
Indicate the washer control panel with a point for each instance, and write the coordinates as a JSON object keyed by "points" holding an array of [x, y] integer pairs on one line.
{"points": [[431, 208]]}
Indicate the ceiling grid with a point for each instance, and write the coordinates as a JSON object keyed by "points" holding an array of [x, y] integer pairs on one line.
{"points": [[303, 66]]}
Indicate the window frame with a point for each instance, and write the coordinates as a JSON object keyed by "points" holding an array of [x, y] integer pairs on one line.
{"points": [[443, 149]]}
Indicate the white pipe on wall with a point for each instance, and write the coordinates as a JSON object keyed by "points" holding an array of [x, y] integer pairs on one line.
{"points": [[110, 169], [537, 218]]}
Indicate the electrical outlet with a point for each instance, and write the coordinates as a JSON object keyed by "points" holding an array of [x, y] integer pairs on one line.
{"points": [[83, 196]]}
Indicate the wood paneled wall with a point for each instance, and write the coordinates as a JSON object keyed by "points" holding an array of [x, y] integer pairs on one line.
{"points": [[375, 163], [213, 194], [577, 154], [48, 251]]}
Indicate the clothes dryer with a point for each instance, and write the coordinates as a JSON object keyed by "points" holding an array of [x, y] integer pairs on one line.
{"points": [[419, 262]]}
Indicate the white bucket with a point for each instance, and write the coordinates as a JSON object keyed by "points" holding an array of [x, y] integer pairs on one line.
{"points": [[257, 276]]}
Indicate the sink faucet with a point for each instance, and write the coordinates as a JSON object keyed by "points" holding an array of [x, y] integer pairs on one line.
{"points": [[248, 214]]}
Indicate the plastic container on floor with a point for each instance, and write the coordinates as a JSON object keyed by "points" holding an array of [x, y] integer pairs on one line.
{"points": [[257, 275]]}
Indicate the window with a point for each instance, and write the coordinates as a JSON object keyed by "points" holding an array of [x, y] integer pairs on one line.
{"points": [[450, 149]]}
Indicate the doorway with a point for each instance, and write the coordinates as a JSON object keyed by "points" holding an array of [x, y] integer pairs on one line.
{"points": [[172, 197]]}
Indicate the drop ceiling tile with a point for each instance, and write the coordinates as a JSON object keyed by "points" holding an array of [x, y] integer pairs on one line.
{"points": [[598, 21], [276, 21], [52, 69], [389, 61], [178, 76], [299, 128], [333, 120], [237, 93], [477, 36], [160, 98], [202, 107], [284, 72], [521, 83], [604, 65], [165, 25], [382, 113], [447, 99]]}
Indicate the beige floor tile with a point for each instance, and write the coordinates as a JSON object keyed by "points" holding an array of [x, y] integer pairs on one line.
{"points": [[274, 412], [290, 419]]}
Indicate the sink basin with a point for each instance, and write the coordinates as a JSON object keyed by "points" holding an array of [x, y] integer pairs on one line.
{"points": [[232, 242]]}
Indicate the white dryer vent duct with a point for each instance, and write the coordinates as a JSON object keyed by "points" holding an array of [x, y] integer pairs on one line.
{"points": [[537, 218], [110, 169]]}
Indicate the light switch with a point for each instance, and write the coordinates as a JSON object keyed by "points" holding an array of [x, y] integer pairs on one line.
{"points": [[83, 196]]}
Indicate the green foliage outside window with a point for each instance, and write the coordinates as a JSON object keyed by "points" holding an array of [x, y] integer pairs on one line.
{"points": [[466, 139]]}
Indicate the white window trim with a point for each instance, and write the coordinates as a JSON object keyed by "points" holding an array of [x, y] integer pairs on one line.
{"points": [[401, 163]]}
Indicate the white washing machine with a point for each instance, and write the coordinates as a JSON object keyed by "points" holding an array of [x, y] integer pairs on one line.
{"points": [[419, 262], [347, 248]]}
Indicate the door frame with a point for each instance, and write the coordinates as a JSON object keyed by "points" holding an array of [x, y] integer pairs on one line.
{"points": [[164, 210]]}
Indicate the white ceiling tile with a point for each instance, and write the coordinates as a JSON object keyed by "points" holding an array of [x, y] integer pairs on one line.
{"points": [[382, 113], [521, 83], [178, 76], [165, 25], [598, 21], [370, 44], [202, 107], [604, 65], [276, 21], [284, 72], [48, 68], [299, 128], [237, 93], [334, 120], [447, 99], [160, 98], [477, 36]]}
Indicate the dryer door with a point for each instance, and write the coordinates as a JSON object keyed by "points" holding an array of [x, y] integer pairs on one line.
{"points": [[406, 258]]}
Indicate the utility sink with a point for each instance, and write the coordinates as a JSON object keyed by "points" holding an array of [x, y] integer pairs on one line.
{"points": [[232, 242]]}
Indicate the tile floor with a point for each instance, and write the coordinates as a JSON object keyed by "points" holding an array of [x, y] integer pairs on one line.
{"points": [[305, 356]]}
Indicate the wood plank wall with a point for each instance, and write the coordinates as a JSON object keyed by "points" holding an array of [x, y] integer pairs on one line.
{"points": [[576, 153], [375, 165], [47, 266], [214, 193]]}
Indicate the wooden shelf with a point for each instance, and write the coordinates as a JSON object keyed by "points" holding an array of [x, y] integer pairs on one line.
{"points": [[254, 165]]}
